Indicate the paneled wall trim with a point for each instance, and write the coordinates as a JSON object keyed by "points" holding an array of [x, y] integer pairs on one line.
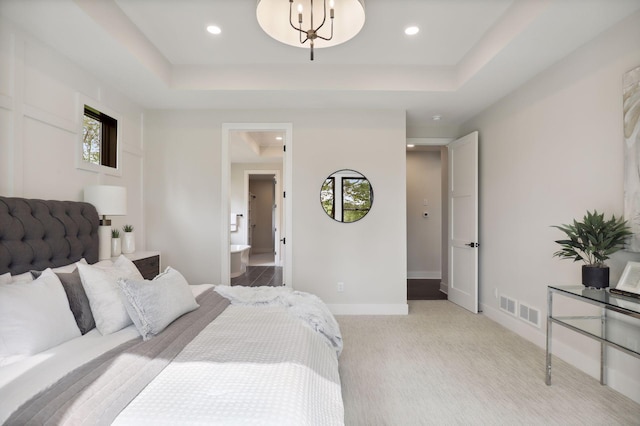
{"points": [[42, 96]]}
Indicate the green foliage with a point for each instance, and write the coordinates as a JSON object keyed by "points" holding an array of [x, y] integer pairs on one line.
{"points": [[356, 199], [357, 194], [326, 197], [115, 233], [127, 228], [594, 239], [91, 137]]}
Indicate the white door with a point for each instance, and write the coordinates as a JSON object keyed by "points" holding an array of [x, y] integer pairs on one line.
{"points": [[463, 222]]}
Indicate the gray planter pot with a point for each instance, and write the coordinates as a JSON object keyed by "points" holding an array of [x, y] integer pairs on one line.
{"points": [[594, 276]]}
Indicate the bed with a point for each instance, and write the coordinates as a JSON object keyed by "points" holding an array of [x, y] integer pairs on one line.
{"points": [[184, 354]]}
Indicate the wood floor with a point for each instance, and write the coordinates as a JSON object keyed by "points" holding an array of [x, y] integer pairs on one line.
{"points": [[257, 276], [422, 289]]}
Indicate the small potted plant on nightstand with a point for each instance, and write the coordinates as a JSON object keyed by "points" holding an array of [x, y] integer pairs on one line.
{"points": [[116, 247], [129, 242], [593, 240]]}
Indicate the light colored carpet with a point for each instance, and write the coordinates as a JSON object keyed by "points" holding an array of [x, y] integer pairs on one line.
{"points": [[442, 365]]}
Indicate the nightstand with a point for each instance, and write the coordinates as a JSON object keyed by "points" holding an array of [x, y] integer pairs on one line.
{"points": [[147, 262]]}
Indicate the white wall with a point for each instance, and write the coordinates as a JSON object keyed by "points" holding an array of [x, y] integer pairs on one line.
{"points": [[39, 121], [182, 184], [237, 195], [424, 235], [548, 152]]}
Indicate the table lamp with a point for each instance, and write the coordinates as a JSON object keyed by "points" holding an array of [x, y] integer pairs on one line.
{"points": [[108, 201]]}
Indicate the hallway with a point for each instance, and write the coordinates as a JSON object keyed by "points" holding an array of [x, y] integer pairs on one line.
{"points": [[424, 289]]}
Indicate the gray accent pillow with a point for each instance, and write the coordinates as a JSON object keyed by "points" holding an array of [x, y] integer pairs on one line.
{"points": [[78, 301], [153, 305]]}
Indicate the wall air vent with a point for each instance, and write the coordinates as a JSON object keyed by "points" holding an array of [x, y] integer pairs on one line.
{"points": [[529, 314], [508, 305]]}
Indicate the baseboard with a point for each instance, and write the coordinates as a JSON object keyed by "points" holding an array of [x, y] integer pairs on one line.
{"points": [[444, 287], [516, 325], [424, 275], [369, 309], [579, 359]]}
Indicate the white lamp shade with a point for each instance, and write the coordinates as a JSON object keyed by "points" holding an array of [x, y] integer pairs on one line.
{"points": [[108, 200]]}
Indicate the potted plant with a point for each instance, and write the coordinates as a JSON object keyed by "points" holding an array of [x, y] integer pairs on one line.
{"points": [[116, 247], [129, 242], [593, 240]]}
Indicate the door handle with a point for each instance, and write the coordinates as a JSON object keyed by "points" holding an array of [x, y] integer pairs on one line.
{"points": [[473, 245]]}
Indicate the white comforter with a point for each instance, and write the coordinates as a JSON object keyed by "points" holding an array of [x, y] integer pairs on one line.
{"points": [[20, 381], [305, 306], [252, 365]]}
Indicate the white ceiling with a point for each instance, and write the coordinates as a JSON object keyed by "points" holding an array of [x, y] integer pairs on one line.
{"points": [[256, 146], [467, 55]]}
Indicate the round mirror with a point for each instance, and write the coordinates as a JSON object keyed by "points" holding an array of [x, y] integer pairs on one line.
{"points": [[346, 196]]}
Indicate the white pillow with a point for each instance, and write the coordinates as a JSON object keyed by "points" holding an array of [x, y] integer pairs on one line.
{"points": [[104, 263], [28, 277], [34, 316], [21, 278], [101, 285], [153, 305], [67, 269]]}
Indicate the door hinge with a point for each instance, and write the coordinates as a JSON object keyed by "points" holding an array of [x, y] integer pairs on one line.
{"points": [[284, 148], [284, 194]]}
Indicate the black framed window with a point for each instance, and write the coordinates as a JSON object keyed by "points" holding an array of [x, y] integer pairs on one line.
{"points": [[100, 138]]}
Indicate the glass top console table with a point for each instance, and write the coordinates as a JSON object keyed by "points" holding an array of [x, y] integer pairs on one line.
{"points": [[617, 325]]}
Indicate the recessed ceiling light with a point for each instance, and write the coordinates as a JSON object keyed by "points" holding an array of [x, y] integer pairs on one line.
{"points": [[436, 117], [214, 29], [410, 145], [413, 30], [278, 138]]}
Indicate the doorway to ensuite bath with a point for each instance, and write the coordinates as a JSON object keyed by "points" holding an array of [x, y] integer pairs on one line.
{"points": [[262, 230], [263, 216], [256, 207]]}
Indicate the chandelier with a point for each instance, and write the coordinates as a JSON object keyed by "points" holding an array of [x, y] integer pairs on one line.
{"points": [[311, 25]]}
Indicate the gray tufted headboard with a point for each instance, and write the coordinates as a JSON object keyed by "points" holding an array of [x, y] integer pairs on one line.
{"points": [[37, 234]]}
